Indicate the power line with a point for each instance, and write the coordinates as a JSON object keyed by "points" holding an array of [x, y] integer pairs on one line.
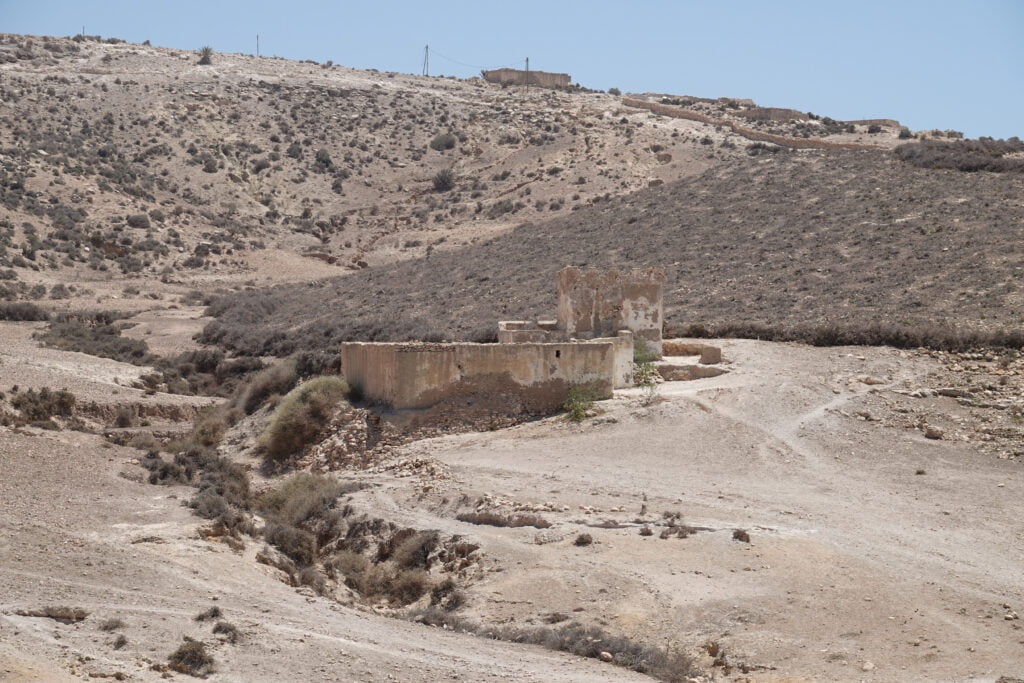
{"points": [[471, 66]]}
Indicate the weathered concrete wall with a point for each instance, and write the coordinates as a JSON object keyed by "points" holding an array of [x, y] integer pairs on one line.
{"points": [[530, 331], [624, 350], [598, 303], [471, 379], [543, 79]]}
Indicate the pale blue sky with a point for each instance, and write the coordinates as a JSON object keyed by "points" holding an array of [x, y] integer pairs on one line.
{"points": [[929, 63]]}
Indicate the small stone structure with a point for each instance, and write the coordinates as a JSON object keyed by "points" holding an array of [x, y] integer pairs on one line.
{"points": [[596, 303], [543, 79], [463, 381], [534, 365]]}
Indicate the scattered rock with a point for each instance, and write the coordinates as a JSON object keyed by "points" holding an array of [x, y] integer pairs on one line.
{"points": [[867, 666], [710, 355], [606, 656], [741, 535], [931, 432]]}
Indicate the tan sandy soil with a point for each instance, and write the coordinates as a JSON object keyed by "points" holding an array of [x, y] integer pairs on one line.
{"points": [[73, 532], [859, 568], [168, 332], [99, 382]]}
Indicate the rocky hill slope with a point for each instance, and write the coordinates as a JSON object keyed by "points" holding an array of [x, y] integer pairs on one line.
{"points": [[136, 162], [856, 242]]}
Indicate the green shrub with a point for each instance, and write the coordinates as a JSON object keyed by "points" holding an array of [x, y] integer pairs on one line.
{"points": [[614, 91], [580, 400], [301, 416], [442, 141], [205, 55], [102, 339]]}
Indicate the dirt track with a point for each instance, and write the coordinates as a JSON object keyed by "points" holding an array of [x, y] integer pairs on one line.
{"points": [[858, 567]]}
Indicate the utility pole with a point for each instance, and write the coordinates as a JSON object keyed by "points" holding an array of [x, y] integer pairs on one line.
{"points": [[527, 74], [426, 60], [257, 45]]}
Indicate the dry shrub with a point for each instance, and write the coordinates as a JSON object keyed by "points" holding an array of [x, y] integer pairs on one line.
{"points": [[191, 658], [298, 545], [22, 311], [44, 404], [984, 154], [409, 549], [585, 641], [301, 498], [277, 379], [496, 519], [212, 613], [301, 416], [209, 429], [379, 581], [931, 336], [228, 630]]}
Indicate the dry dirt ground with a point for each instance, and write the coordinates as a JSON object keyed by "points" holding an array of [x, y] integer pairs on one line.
{"points": [[875, 553]]}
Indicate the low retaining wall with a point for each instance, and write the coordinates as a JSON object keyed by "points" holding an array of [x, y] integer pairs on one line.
{"points": [[462, 380], [750, 134]]}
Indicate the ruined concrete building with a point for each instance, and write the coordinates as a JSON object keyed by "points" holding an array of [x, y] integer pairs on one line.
{"points": [[543, 79], [534, 365]]}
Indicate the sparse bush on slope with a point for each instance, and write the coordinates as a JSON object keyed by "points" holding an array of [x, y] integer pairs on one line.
{"points": [[984, 154], [302, 415]]}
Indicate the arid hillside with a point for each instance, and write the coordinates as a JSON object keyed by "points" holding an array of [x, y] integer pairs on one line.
{"points": [[134, 162], [849, 240]]}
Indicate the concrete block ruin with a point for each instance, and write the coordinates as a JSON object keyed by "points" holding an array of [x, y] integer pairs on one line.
{"points": [[460, 382], [543, 79], [534, 365], [594, 304]]}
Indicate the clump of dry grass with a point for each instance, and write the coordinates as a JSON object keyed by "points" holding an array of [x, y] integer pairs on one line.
{"points": [[497, 519], [191, 658], [212, 613], [228, 630], [663, 664]]}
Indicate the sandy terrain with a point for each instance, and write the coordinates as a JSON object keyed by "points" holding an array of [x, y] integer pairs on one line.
{"points": [[100, 385], [858, 567], [75, 533]]}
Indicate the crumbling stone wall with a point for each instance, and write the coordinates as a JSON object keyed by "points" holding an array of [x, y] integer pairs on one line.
{"points": [[598, 303], [463, 379]]}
